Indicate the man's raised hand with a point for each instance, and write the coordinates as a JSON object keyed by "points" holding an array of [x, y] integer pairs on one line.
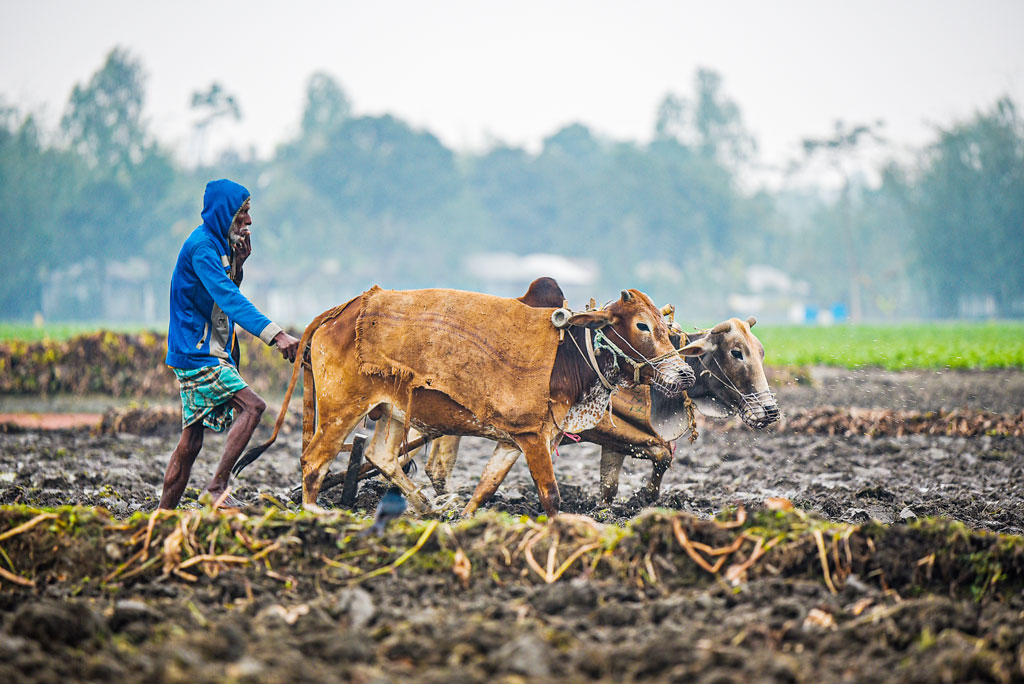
{"points": [[243, 248]]}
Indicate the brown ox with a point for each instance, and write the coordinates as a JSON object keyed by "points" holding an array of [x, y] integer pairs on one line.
{"points": [[388, 436], [347, 387], [645, 423]]}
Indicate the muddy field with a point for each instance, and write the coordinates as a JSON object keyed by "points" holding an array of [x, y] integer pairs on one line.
{"points": [[430, 626]]}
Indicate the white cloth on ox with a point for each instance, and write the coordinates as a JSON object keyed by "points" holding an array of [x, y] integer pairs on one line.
{"points": [[590, 410], [491, 355]]}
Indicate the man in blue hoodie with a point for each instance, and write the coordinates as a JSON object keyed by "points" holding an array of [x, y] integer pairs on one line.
{"points": [[206, 304]]}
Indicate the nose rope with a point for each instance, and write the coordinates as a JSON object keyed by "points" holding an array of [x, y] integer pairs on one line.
{"points": [[669, 361], [656, 359], [727, 382]]}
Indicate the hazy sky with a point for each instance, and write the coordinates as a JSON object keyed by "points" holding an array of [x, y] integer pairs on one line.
{"points": [[476, 71]]}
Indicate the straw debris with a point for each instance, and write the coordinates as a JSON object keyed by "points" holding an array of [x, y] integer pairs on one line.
{"points": [[660, 550]]}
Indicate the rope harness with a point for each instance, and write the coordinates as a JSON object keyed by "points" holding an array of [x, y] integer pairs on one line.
{"points": [[600, 341], [691, 417]]}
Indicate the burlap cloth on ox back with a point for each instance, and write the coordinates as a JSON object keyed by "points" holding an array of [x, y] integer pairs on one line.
{"points": [[492, 355]]}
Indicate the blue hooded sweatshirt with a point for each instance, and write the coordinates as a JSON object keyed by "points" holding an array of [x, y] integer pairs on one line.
{"points": [[205, 303]]}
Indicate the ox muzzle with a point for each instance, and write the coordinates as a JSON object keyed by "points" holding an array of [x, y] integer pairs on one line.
{"points": [[672, 376], [759, 409]]}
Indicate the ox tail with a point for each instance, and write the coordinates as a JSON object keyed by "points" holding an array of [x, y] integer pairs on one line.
{"points": [[256, 451]]}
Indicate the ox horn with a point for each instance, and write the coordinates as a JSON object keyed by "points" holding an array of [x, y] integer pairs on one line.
{"points": [[751, 321], [723, 327], [626, 296], [560, 318]]}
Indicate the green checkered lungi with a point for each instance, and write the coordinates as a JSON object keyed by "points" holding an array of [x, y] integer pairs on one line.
{"points": [[205, 393]]}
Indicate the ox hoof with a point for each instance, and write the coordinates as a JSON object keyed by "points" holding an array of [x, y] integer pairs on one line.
{"points": [[553, 507], [420, 503], [645, 497]]}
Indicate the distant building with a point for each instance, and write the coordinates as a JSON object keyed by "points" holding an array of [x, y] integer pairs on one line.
{"points": [[112, 291], [508, 275], [772, 295]]}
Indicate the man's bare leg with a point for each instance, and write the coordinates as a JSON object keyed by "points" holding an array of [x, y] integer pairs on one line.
{"points": [[250, 409], [180, 466]]}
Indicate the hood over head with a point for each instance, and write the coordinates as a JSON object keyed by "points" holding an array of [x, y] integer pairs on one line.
{"points": [[222, 200]]}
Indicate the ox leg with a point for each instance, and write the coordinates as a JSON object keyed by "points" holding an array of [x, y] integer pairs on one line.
{"points": [[661, 459], [383, 453], [314, 461], [441, 461], [494, 473], [538, 457], [611, 467], [325, 445], [388, 436], [386, 439], [391, 470]]}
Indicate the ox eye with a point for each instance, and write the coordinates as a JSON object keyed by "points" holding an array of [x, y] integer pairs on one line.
{"points": [[643, 326], [737, 354]]}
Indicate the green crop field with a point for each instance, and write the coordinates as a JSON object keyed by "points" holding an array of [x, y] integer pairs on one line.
{"points": [[897, 346], [58, 332]]}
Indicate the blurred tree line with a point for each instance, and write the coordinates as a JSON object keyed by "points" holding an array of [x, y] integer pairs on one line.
{"points": [[355, 200]]}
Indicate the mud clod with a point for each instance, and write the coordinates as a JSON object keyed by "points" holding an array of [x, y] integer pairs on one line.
{"points": [[576, 597], [128, 612], [526, 655], [52, 625]]}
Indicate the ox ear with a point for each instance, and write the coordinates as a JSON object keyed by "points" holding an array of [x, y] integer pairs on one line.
{"points": [[592, 319], [751, 322], [698, 347]]}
